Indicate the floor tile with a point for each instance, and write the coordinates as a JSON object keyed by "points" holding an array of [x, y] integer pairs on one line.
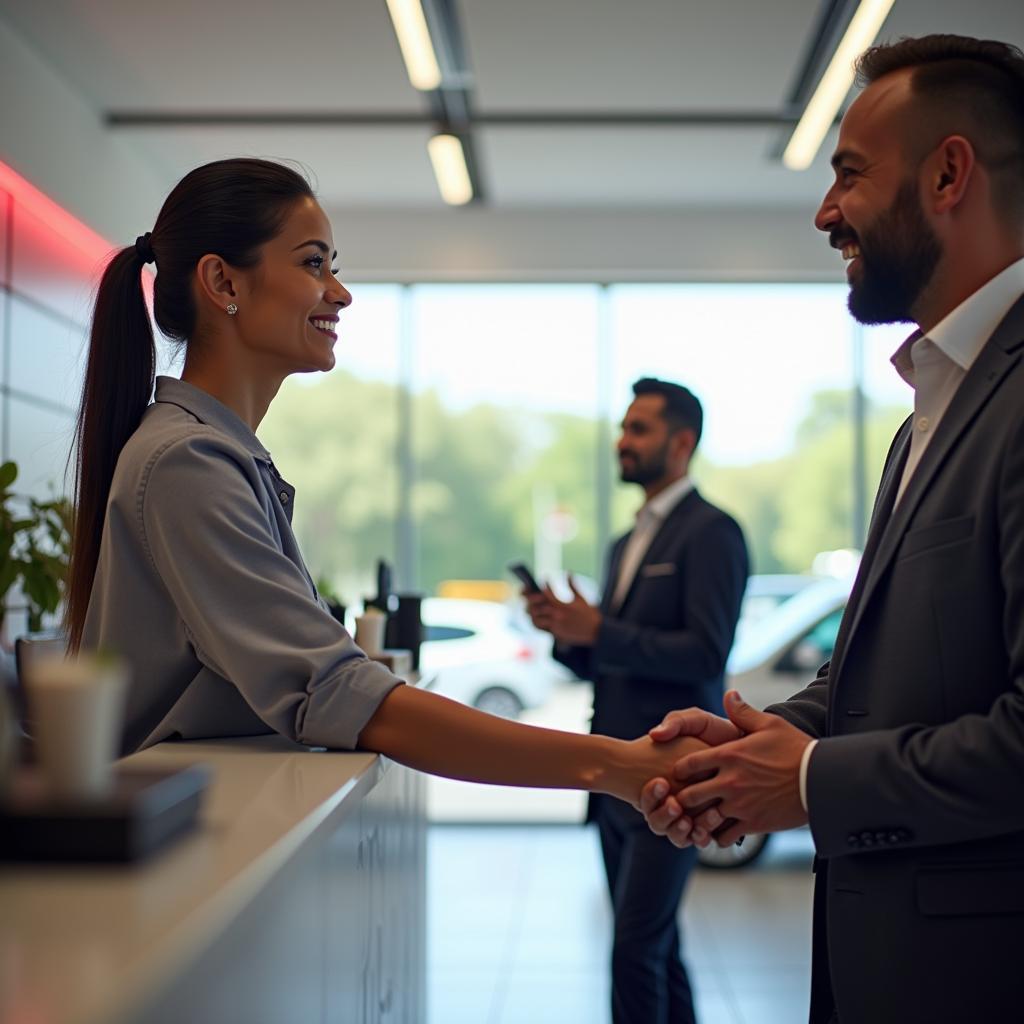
{"points": [[519, 930], [777, 1008], [558, 996], [770, 979], [462, 996]]}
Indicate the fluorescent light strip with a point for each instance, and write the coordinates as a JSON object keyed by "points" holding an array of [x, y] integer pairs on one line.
{"points": [[450, 169], [414, 41], [821, 111]]}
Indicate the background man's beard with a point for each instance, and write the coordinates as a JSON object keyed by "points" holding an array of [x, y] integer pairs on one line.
{"points": [[898, 257], [643, 473]]}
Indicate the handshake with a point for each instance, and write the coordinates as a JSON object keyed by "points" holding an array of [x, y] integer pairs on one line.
{"points": [[743, 777]]}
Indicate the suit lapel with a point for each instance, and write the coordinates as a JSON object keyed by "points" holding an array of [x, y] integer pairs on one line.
{"points": [[668, 533], [614, 564], [995, 360], [880, 515]]}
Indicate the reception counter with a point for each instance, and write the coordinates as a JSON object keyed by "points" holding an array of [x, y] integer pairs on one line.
{"points": [[299, 897]]}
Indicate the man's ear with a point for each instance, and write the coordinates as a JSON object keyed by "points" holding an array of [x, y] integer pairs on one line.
{"points": [[216, 281], [684, 442], [947, 173]]}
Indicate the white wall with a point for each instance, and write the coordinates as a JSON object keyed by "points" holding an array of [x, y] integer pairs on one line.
{"points": [[583, 245], [55, 139]]}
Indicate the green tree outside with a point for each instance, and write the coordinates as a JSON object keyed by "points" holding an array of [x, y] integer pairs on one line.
{"points": [[478, 472]]}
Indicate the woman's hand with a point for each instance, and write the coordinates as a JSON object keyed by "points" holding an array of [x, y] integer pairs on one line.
{"points": [[637, 762]]}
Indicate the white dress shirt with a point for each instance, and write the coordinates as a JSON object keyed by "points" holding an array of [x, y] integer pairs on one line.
{"points": [[934, 366], [648, 522]]}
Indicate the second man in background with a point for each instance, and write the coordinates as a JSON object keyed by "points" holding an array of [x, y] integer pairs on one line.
{"points": [[660, 636]]}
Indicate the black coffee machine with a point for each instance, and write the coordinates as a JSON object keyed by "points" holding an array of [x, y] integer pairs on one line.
{"points": [[405, 625]]}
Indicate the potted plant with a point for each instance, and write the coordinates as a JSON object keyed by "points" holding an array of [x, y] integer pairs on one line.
{"points": [[35, 545]]}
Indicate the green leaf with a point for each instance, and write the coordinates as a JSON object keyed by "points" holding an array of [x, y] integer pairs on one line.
{"points": [[8, 574], [34, 547]]}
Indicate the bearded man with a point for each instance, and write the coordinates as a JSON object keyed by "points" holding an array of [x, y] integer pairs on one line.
{"points": [[661, 636], [906, 753]]}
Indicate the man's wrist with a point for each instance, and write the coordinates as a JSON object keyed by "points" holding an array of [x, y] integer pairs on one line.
{"points": [[805, 762]]}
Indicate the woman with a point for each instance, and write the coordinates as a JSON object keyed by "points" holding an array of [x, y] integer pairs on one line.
{"points": [[184, 560]]}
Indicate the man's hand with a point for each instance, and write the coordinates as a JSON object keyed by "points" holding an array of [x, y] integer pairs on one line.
{"points": [[659, 805], [753, 779], [539, 609], [570, 622], [637, 760]]}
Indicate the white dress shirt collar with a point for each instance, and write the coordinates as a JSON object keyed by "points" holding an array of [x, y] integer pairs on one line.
{"points": [[665, 501], [649, 520], [962, 333]]}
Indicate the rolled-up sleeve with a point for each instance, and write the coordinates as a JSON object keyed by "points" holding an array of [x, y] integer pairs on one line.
{"points": [[247, 609]]}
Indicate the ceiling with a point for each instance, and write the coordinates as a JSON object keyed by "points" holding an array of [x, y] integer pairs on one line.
{"points": [[338, 61]]}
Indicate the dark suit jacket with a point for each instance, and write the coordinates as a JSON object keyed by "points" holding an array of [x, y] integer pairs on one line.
{"points": [[666, 646], [916, 794]]}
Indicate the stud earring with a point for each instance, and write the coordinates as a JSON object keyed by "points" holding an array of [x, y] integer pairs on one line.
{"points": [[231, 309]]}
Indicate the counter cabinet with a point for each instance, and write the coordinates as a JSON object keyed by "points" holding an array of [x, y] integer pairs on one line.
{"points": [[300, 898]]}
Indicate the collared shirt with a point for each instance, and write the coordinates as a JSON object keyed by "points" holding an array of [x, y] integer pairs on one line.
{"points": [[935, 364], [648, 521], [200, 586]]}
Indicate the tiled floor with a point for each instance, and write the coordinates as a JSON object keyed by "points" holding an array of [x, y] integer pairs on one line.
{"points": [[518, 930]]}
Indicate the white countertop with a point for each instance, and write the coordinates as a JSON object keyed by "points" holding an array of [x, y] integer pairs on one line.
{"points": [[84, 944]]}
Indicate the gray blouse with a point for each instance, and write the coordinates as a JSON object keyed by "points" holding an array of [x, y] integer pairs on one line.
{"points": [[201, 587]]}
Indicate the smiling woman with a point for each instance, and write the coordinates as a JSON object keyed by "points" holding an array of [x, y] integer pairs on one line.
{"points": [[184, 559]]}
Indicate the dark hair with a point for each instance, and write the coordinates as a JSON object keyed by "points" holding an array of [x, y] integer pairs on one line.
{"points": [[682, 409], [971, 87], [230, 208]]}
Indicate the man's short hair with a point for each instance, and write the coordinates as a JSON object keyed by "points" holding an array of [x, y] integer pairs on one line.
{"points": [[963, 86], [682, 410]]}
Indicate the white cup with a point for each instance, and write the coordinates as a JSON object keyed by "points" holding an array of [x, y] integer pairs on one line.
{"points": [[77, 707], [370, 631]]}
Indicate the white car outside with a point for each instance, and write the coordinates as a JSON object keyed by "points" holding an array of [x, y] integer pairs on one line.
{"points": [[764, 594], [778, 656], [482, 654]]}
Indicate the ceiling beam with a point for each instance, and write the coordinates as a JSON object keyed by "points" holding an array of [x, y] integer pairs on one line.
{"points": [[475, 119], [451, 104]]}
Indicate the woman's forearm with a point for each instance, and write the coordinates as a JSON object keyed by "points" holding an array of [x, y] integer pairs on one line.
{"points": [[442, 737]]}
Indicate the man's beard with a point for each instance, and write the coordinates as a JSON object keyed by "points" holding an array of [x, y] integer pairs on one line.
{"points": [[645, 471], [899, 253]]}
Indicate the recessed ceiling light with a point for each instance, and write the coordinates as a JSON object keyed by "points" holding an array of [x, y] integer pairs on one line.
{"points": [[450, 169], [414, 41], [823, 106]]}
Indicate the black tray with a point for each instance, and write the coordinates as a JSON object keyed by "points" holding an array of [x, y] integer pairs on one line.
{"points": [[143, 811]]}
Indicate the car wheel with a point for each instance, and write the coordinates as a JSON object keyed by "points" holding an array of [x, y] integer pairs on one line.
{"points": [[713, 856], [497, 700]]}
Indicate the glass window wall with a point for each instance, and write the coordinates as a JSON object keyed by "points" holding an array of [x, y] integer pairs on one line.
{"points": [[467, 426]]}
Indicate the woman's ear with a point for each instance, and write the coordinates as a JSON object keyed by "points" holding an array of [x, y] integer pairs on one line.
{"points": [[216, 282]]}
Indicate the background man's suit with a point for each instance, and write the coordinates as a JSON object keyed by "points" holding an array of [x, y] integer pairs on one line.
{"points": [[664, 647], [919, 828]]}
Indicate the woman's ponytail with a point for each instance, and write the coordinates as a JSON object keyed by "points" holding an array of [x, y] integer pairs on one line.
{"points": [[118, 385]]}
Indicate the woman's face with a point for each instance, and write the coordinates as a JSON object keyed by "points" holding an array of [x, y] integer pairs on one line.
{"points": [[288, 304]]}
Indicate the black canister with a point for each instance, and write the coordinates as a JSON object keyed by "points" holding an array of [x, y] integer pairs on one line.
{"points": [[405, 627]]}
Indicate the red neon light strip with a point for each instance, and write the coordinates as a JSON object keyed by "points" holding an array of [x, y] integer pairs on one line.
{"points": [[54, 216], [97, 250]]}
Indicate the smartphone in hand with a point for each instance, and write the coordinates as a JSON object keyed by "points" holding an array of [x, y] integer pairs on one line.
{"points": [[522, 573]]}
